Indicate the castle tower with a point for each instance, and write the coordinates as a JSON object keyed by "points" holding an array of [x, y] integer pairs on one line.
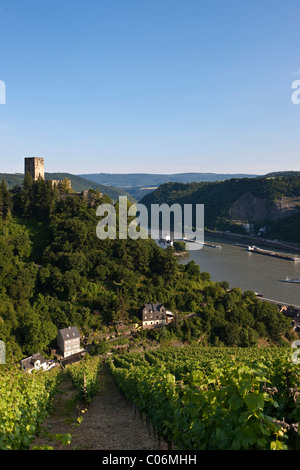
{"points": [[35, 167]]}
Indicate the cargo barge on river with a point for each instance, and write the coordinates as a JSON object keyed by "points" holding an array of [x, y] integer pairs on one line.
{"points": [[255, 249]]}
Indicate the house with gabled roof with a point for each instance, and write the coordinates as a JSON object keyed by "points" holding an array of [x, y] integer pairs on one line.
{"points": [[155, 315], [68, 341]]}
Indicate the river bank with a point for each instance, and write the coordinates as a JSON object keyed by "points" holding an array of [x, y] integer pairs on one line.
{"points": [[252, 240]]}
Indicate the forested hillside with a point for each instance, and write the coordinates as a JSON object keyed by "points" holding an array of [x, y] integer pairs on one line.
{"points": [[55, 272], [263, 200]]}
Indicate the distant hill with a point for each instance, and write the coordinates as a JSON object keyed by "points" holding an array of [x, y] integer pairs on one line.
{"points": [[12, 180], [78, 183], [140, 184], [281, 174], [148, 179]]}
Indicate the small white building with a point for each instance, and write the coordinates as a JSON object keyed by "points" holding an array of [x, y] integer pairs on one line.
{"points": [[247, 227], [170, 316], [36, 362]]}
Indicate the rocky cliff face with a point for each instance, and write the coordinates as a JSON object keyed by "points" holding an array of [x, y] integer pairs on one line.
{"points": [[253, 209]]}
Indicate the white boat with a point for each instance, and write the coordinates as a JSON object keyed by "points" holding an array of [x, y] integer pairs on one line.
{"points": [[165, 242], [288, 279], [258, 294]]}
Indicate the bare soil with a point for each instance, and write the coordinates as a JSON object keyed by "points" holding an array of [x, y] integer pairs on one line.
{"points": [[109, 422]]}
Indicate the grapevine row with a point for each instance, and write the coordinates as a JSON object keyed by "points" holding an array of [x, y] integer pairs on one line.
{"points": [[24, 403], [85, 377], [215, 398]]}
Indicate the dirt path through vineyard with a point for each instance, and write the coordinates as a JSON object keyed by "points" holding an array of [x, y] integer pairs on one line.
{"points": [[110, 423]]}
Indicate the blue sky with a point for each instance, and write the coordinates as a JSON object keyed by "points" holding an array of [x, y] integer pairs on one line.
{"points": [[158, 86]]}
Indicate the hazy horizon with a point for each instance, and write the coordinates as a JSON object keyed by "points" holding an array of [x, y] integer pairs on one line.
{"points": [[149, 173]]}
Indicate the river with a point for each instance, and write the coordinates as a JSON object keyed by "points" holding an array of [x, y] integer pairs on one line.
{"points": [[249, 271]]}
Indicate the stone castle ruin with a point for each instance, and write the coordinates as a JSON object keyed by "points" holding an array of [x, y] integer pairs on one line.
{"points": [[35, 167]]}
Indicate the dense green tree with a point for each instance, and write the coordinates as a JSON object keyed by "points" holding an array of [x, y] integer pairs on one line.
{"points": [[27, 196], [248, 337], [5, 200], [37, 332], [192, 269]]}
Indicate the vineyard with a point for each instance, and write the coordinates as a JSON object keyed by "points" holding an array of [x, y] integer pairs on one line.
{"points": [[195, 397], [215, 398], [85, 377], [24, 402]]}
